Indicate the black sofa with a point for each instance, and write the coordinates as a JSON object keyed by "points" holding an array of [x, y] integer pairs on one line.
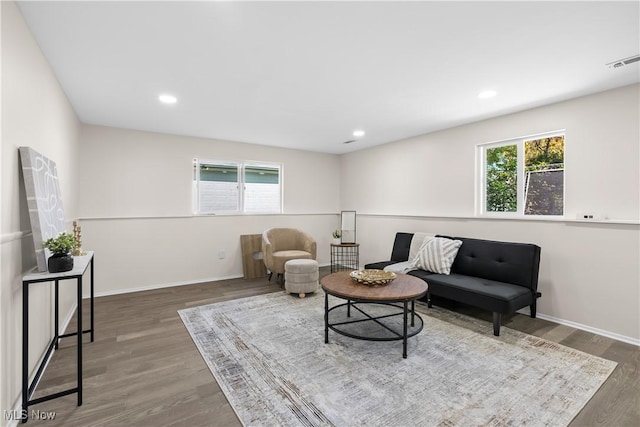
{"points": [[501, 277]]}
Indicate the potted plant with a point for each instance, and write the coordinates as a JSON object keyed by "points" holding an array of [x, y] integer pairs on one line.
{"points": [[60, 247], [337, 234]]}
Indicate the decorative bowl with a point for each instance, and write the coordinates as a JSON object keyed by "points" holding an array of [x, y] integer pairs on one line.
{"points": [[373, 277]]}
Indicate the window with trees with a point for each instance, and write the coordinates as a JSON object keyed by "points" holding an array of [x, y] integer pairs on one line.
{"points": [[236, 187], [523, 177]]}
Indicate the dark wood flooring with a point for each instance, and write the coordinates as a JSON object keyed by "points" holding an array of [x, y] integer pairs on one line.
{"points": [[144, 370]]}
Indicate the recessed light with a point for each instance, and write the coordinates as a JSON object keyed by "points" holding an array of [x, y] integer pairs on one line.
{"points": [[487, 94], [358, 133], [167, 99]]}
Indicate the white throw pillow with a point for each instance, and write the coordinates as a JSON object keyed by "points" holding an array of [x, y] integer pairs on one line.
{"points": [[417, 241], [436, 255]]}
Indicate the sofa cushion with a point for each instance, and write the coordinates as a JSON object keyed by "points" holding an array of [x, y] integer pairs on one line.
{"points": [[280, 258], [515, 263], [437, 255], [421, 274], [489, 294]]}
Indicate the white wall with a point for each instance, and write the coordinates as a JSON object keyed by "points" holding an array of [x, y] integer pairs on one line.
{"points": [[434, 174], [36, 113], [132, 190], [589, 273], [135, 205]]}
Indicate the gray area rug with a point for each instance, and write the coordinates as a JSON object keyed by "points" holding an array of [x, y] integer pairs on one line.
{"points": [[269, 357]]}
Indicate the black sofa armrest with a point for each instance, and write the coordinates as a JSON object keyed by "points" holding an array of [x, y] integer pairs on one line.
{"points": [[378, 265], [401, 247], [399, 253]]}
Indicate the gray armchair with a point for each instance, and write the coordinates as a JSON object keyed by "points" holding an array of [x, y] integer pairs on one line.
{"points": [[280, 245]]}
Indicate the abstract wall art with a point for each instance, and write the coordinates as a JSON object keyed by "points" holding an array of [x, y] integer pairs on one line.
{"points": [[43, 200]]}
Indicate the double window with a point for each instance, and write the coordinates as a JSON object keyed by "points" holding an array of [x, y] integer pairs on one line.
{"points": [[522, 177], [236, 187]]}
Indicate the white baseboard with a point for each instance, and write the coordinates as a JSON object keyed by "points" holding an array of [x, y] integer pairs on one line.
{"points": [[634, 341], [612, 335], [170, 284], [162, 285], [525, 311]]}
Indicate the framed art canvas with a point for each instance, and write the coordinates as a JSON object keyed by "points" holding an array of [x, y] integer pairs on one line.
{"points": [[348, 225], [43, 200]]}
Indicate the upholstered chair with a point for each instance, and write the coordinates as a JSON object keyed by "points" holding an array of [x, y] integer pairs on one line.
{"points": [[280, 245]]}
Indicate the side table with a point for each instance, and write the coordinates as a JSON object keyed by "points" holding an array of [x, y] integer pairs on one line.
{"points": [[345, 256], [80, 265]]}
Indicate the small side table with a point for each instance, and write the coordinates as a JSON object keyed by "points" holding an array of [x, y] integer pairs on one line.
{"points": [[80, 265], [345, 257]]}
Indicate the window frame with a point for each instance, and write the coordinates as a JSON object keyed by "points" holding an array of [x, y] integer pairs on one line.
{"points": [[240, 182], [481, 176]]}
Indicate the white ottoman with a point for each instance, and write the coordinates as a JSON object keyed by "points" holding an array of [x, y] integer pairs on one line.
{"points": [[301, 276]]}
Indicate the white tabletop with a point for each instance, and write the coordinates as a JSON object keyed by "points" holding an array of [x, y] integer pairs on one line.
{"points": [[80, 264]]}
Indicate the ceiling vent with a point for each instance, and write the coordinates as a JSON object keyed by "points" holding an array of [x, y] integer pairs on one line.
{"points": [[622, 62]]}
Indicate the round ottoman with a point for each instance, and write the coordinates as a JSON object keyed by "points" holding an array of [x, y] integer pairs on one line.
{"points": [[301, 276]]}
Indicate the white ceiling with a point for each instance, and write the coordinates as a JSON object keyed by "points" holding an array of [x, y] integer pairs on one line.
{"points": [[307, 74]]}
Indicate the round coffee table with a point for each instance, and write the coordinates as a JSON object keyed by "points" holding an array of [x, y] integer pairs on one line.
{"points": [[403, 290]]}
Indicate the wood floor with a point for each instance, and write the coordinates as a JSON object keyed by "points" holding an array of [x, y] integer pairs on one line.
{"points": [[144, 370]]}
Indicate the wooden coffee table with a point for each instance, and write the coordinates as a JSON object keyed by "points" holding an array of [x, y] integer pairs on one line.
{"points": [[399, 293]]}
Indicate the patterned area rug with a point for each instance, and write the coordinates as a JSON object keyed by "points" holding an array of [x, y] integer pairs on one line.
{"points": [[269, 357]]}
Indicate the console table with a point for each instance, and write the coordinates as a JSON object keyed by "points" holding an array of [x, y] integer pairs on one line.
{"points": [[80, 265], [345, 256]]}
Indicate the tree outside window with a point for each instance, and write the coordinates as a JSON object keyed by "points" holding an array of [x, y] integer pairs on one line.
{"points": [[544, 176], [502, 179], [524, 176]]}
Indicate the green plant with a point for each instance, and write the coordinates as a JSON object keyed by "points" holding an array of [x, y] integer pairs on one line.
{"points": [[61, 245], [337, 234], [502, 179]]}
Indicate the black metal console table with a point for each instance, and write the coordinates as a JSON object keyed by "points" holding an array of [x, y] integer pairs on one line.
{"points": [[80, 265]]}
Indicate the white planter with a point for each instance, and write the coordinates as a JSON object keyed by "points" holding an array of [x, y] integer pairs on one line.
{"points": [[336, 241]]}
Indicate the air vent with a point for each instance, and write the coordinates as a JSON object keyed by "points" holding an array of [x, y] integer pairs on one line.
{"points": [[622, 62], [349, 141]]}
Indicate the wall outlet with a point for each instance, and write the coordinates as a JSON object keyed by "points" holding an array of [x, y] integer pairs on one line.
{"points": [[221, 254], [589, 216]]}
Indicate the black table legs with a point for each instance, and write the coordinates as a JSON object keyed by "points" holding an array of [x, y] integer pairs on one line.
{"points": [[404, 332], [25, 351], [92, 329], [79, 332], [29, 389], [396, 333], [326, 318]]}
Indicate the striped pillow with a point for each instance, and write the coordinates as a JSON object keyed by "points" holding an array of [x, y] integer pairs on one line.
{"points": [[436, 255]]}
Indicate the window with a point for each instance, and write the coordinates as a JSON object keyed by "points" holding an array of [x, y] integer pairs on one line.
{"points": [[523, 176], [235, 187]]}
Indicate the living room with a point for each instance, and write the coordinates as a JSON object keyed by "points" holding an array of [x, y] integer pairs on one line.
{"points": [[131, 190]]}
